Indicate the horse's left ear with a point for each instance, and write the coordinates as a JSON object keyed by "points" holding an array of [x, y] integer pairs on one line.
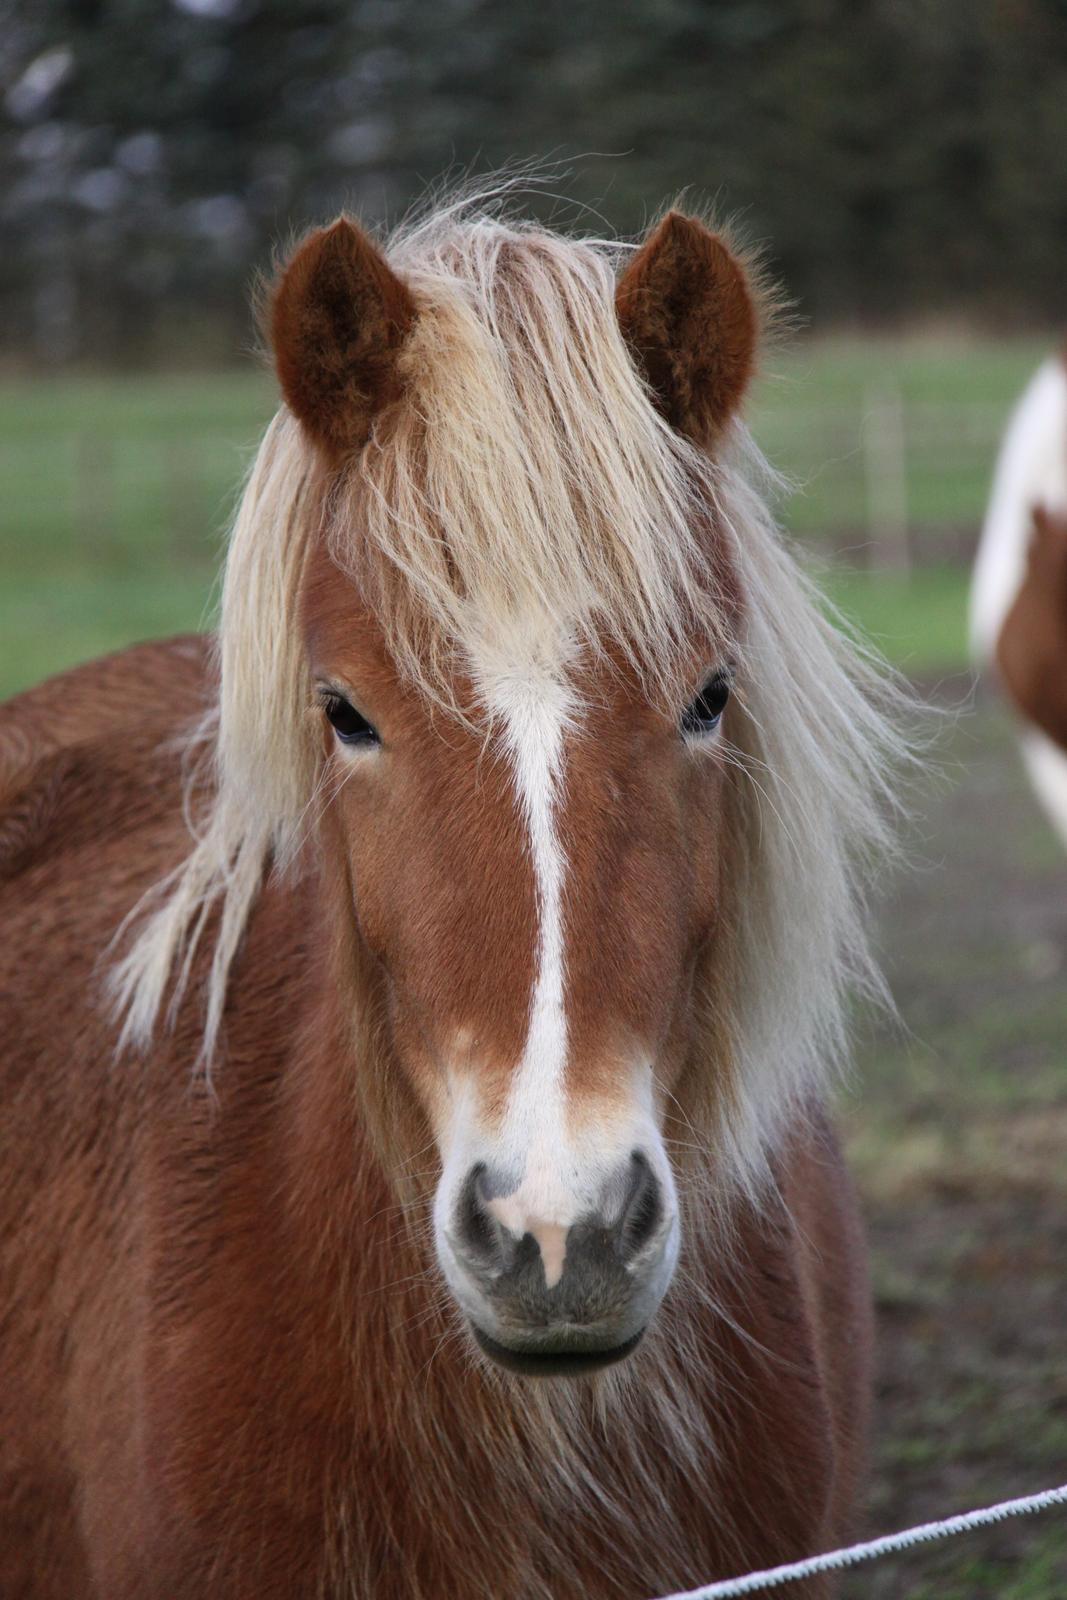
{"points": [[338, 318], [688, 313]]}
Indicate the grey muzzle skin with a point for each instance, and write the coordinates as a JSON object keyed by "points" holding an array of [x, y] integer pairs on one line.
{"points": [[597, 1311]]}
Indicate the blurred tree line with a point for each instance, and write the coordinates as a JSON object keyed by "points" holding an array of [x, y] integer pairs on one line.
{"points": [[900, 158]]}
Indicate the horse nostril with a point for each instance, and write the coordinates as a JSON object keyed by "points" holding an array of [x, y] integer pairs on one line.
{"points": [[557, 1255], [476, 1229], [643, 1211]]}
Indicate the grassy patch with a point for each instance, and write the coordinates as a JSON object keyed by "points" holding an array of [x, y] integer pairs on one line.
{"points": [[919, 623], [814, 413], [116, 493]]}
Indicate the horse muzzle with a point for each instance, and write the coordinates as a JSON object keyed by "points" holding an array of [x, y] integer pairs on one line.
{"points": [[552, 1299]]}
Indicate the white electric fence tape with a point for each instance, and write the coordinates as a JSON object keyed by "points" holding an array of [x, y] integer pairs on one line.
{"points": [[853, 1554]]}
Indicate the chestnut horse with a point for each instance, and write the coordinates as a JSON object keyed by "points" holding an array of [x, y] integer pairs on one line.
{"points": [[1019, 594], [418, 1008]]}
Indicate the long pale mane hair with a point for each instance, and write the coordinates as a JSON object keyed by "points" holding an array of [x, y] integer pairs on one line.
{"points": [[526, 487]]}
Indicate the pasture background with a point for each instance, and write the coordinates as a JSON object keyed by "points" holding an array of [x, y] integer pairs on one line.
{"points": [[116, 491], [903, 165]]}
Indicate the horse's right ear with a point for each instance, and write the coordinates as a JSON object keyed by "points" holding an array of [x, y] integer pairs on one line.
{"points": [[338, 318]]}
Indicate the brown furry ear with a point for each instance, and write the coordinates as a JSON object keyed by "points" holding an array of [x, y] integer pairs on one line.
{"points": [[338, 318], [688, 313]]}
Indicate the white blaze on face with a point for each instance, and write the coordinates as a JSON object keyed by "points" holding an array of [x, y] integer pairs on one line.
{"points": [[533, 713], [557, 1169]]}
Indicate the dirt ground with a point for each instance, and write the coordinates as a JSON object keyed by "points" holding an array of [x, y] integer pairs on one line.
{"points": [[957, 1129]]}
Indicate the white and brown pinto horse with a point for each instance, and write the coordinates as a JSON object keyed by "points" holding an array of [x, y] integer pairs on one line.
{"points": [[429, 1192], [1019, 593]]}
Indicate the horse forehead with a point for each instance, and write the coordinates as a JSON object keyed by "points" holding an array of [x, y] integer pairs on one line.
{"points": [[586, 733], [344, 637]]}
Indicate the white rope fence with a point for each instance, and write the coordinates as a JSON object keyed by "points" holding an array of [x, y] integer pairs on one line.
{"points": [[853, 1554]]}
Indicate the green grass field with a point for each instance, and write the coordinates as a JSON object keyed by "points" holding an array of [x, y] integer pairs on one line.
{"points": [[816, 400], [116, 491]]}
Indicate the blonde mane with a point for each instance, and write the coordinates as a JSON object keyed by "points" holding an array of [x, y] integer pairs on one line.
{"points": [[525, 487]]}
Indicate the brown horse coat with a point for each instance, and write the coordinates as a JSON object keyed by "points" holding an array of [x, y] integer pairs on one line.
{"points": [[1031, 651], [220, 1369]]}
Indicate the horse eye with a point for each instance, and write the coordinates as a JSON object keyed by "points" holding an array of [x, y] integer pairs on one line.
{"points": [[350, 726], [702, 714]]}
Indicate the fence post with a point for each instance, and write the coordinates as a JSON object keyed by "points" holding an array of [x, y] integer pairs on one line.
{"points": [[885, 471], [186, 534], [94, 490]]}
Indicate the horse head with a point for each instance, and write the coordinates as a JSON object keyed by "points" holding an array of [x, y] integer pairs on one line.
{"points": [[534, 867]]}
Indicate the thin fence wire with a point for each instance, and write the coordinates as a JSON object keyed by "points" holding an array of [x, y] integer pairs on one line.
{"points": [[885, 482], [872, 1549]]}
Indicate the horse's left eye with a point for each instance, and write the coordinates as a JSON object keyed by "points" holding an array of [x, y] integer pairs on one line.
{"points": [[703, 714]]}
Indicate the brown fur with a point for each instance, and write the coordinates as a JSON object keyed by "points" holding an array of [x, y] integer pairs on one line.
{"points": [[338, 319], [225, 1371], [1031, 653], [689, 315]]}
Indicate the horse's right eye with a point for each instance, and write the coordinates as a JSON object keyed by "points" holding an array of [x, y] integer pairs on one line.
{"points": [[704, 713], [350, 725]]}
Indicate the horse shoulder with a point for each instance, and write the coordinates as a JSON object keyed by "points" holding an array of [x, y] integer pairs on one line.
{"points": [[92, 818], [167, 677], [796, 1341], [833, 1270]]}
